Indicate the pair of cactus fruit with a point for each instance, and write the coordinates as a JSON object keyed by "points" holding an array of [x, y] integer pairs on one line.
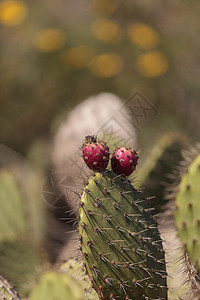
{"points": [[120, 242], [96, 156]]}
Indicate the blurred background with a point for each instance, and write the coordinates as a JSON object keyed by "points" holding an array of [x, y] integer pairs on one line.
{"points": [[55, 54]]}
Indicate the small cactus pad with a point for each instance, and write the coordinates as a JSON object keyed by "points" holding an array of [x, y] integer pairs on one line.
{"points": [[95, 153], [12, 212], [187, 213], [120, 242], [7, 291], [54, 285], [124, 161], [156, 171], [75, 268]]}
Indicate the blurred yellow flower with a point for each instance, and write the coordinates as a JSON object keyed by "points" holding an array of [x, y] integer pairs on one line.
{"points": [[143, 35], [152, 64], [77, 57], [104, 7], [106, 65], [12, 13], [106, 31], [49, 40]]}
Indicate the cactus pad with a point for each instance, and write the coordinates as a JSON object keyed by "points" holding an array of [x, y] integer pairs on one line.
{"points": [[75, 268], [121, 245], [20, 263], [12, 214], [54, 285], [187, 213], [155, 173]]}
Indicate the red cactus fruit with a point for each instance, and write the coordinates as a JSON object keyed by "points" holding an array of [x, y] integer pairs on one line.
{"points": [[95, 153], [124, 161]]}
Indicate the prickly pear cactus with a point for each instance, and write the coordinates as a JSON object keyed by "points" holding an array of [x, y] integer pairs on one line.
{"points": [[75, 268], [20, 258], [54, 285], [187, 213], [12, 213], [7, 291], [20, 263], [120, 242], [155, 173]]}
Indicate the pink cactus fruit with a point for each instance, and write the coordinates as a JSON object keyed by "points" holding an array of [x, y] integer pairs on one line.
{"points": [[124, 161], [95, 153]]}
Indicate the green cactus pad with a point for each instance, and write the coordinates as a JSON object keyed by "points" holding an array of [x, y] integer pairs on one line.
{"points": [[121, 245], [19, 263], [160, 164], [12, 214], [187, 213], [75, 268], [57, 286], [7, 291]]}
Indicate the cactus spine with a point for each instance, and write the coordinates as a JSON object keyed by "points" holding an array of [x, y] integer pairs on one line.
{"points": [[7, 291], [120, 241]]}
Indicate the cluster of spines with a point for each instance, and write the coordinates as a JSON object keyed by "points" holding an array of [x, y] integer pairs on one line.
{"points": [[141, 244], [7, 291]]}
